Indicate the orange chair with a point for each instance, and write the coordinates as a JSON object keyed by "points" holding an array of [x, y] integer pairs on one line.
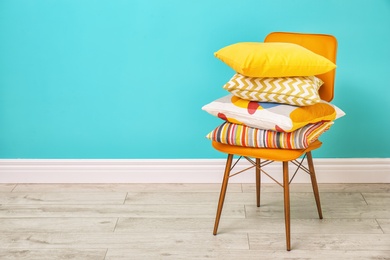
{"points": [[325, 45]]}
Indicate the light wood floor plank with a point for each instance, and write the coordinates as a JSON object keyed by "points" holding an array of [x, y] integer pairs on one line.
{"points": [[70, 198], [378, 199], [373, 242], [355, 187], [145, 240], [277, 211], [39, 225], [267, 198], [234, 254], [4, 187], [385, 225], [357, 212], [273, 187], [52, 254], [323, 187], [304, 226], [263, 225], [144, 211], [130, 187], [310, 211], [340, 199]]}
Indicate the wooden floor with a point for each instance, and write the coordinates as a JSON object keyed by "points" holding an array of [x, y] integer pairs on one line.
{"points": [[175, 221]]}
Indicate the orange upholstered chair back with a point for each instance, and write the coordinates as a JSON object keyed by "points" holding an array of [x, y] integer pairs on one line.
{"points": [[322, 44]]}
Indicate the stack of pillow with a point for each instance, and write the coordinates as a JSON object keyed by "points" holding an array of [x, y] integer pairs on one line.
{"points": [[273, 100]]}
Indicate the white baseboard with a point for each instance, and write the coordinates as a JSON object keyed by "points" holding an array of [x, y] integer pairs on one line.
{"points": [[356, 170]]}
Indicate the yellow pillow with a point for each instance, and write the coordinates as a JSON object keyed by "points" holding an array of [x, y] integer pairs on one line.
{"points": [[273, 59], [297, 91]]}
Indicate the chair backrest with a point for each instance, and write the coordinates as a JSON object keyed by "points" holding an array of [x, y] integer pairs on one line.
{"points": [[322, 44]]}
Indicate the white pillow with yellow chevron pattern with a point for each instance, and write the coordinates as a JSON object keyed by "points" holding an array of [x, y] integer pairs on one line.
{"points": [[271, 116], [298, 91], [233, 134]]}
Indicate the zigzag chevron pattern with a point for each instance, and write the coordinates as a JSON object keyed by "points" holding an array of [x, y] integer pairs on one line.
{"points": [[298, 91]]}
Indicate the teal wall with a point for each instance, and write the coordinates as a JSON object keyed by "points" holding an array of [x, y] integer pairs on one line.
{"points": [[128, 78]]}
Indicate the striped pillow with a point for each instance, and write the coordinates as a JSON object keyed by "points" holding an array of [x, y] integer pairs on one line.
{"points": [[297, 91], [241, 135]]}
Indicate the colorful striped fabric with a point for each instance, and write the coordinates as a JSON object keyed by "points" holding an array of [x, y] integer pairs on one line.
{"points": [[241, 135]]}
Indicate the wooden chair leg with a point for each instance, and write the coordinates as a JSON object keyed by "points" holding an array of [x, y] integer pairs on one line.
{"points": [[223, 192], [286, 190], [258, 181], [314, 183]]}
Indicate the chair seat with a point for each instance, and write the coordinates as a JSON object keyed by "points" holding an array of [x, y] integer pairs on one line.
{"points": [[266, 153]]}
